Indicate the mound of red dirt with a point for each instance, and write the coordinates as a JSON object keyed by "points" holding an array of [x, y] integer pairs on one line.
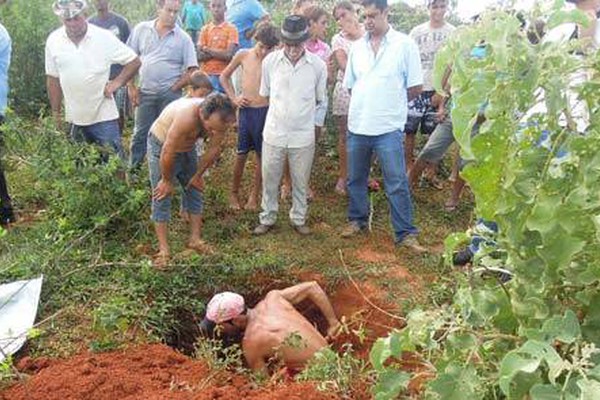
{"points": [[151, 372]]}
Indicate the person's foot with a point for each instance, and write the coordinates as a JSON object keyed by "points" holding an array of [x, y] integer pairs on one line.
{"points": [[285, 191], [252, 203], [200, 247], [410, 242], [7, 216], [340, 187], [262, 230], [234, 202], [302, 230], [352, 229], [161, 260]]}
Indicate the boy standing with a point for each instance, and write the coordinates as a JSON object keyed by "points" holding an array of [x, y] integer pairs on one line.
{"points": [[193, 17], [252, 109], [217, 45]]}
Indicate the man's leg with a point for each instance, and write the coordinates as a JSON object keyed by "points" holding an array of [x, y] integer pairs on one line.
{"points": [[390, 152], [107, 134], [238, 171], [145, 114], [440, 140], [252, 203], [273, 159], [167, 98], [161, 209], [191, 200], [243, 148], [7, 214], [300, 160], [359, 162]]}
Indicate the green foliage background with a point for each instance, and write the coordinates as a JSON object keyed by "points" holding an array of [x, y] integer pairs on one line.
{"points": [[30, 22]]}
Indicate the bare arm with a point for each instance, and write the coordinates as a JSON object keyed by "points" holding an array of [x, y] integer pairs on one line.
{"points": [[184, 80], [129, 71], [255, 357], [215, 147], [314, 292], [227, 73], [222, 55], [55, 97]]}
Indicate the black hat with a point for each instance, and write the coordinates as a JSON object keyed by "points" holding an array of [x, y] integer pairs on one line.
{"points": [[294, 29]]}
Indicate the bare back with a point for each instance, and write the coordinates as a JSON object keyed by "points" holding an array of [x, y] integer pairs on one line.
{"points": [[180, 124], [277, 329], [251, 66]]}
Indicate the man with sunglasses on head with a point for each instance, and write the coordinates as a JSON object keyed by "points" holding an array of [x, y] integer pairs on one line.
{"points": [[78, 61], [273, 329]]}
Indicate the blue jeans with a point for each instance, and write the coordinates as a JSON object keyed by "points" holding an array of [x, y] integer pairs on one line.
{"points": [[389, 149], [150, 107], [106, 133], [186, 165]]}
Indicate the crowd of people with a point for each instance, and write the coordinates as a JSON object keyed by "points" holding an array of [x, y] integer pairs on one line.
{"points": [[192, 75]]}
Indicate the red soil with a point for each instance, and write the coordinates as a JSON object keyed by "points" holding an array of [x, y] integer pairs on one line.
{"points": [[151, 372]]}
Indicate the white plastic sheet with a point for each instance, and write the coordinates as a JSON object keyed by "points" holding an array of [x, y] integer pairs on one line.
{"points": [[18, 307]]}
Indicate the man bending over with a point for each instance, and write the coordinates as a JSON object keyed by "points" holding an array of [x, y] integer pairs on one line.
{"points": [[173, 156], [273, 329]]}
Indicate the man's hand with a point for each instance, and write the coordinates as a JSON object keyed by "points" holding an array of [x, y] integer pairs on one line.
{"points": [[242, 101], [334, 330], [197, 182], [163, 190], [440, 116], [110, 88], [134, 95]]}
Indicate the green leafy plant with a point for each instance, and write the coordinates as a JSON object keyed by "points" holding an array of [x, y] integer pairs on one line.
{"points": [[534, 337]]}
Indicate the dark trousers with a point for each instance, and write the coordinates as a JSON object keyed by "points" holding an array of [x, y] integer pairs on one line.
{"points": [[4, 197]]}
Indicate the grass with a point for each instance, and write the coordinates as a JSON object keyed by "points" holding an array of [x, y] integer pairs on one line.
{"points": [[100, 291]]}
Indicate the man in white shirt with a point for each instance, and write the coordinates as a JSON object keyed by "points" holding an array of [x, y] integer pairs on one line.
{"points": [[78, 61], [295, 81], [383, 73]]}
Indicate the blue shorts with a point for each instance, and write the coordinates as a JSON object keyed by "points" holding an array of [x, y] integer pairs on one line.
{"points": [[186, 165], [251, 125], [216, 84]]}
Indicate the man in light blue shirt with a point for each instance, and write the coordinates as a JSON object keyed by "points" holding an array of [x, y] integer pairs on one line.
{"points": [[168, 58], [383, 73], [7, 214], [245, 15]]}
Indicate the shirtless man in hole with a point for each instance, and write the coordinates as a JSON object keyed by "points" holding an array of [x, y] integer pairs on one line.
{"points": [[274, 329]]}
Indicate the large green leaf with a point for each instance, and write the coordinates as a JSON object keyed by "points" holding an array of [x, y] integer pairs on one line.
{"points": [[390, 384], [456, 383]]}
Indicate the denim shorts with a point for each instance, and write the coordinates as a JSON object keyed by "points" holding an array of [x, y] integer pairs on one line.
{"points": [[251, 126], [186, 165]]}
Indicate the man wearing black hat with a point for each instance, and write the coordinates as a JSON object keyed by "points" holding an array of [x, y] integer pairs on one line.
{"points": [[294, 81]]}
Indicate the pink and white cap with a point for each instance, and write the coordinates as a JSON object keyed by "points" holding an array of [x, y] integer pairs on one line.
{"points": [[225, 306]]}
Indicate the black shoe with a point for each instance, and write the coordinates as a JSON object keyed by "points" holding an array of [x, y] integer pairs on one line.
{"points": [[462, 257], [7, 216]]}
